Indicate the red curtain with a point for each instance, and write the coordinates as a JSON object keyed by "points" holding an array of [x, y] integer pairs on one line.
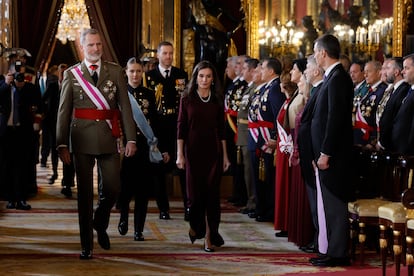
{"points": [[119, 23], [35, 28]]}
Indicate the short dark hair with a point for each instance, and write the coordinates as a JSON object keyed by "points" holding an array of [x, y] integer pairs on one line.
{"points": [[410, 56], [398, 62], [330, 44], [274, 64], [361, 65], [251, 62], [164, 43]]}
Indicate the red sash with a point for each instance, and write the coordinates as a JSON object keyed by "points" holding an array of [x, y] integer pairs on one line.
{"points": [[95, 114]]}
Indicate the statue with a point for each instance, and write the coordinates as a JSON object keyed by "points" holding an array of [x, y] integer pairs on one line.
{"points": [[210, 39], [310, 35], [328, 17]]}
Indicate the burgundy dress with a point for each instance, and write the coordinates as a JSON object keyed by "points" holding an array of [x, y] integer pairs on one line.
{"points": [[300, 226], [282, 177], [201, 126]]}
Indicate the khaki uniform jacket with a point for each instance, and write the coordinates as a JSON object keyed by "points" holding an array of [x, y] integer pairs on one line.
{"points": [[93, 136]]}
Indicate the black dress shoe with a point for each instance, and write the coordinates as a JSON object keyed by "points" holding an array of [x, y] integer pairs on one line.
{"points": [[66, 191], [86, 254], [264, 219], [329, 261], [252, 214], [22, 205], [281, 234], [11, 205], [310, 248], [103, 239], [52, 179], [123, 227], [138, 236], [164, 215]]}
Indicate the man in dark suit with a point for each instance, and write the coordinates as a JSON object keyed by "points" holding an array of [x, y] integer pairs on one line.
{"points": [[50, 103], [93, 101], [331, 134], [168, 82], [19, 114], [314, 75], [402, 133], [391, 104]]}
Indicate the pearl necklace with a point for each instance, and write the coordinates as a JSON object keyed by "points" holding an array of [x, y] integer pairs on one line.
{"points": [[201, 98]]}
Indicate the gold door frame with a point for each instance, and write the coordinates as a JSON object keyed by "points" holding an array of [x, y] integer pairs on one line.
{"points": [[401, 13], [251, 10], [159, 24]]}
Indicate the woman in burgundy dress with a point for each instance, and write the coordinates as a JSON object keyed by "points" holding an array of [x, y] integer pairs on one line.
{"points": [[201, 150], [300, 226]]}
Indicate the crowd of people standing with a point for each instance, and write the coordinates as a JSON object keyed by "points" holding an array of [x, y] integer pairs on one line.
{"points": [[286, 130]]}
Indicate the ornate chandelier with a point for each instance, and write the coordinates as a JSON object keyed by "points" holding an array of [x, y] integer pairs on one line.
{"points": [[73, 19]]}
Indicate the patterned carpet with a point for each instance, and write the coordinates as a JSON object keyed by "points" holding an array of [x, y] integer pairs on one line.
{"points": [[45, 241]]}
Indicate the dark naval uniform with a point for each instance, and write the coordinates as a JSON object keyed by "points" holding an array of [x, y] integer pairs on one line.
{"points": [[232, 100], [271, 100], [137, 172], [167, 96]]}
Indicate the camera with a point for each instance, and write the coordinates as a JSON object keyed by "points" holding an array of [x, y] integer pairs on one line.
{"points": [[19, 77]]}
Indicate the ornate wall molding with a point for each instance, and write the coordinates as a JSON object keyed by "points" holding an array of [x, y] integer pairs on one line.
{"points": [[401, 10], [251, 21]]}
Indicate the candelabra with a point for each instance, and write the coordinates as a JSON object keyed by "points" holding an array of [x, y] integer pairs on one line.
{"points": [[279, 40], [368, 40]]}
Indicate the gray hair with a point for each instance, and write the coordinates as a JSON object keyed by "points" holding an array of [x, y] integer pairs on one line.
{"points": [[85, 33]]}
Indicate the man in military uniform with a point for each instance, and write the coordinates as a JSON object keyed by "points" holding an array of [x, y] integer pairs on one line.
{"points": [[88, 125], [253, 126], [243, 156], [232, 99], [356, 72], [271, 100], [168, 82], [365, 127]]}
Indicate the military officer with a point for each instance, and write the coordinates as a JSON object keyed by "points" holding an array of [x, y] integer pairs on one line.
{"points": [[168, 83], [88, 125]]}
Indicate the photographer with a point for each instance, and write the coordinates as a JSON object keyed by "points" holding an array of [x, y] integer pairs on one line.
{"points": [[19, 102]]}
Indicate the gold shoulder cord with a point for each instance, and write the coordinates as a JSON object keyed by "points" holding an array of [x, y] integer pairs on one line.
{"points": [[144, 80]]}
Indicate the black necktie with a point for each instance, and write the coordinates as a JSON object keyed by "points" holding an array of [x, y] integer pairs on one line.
{"points": [[166, 73]]}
